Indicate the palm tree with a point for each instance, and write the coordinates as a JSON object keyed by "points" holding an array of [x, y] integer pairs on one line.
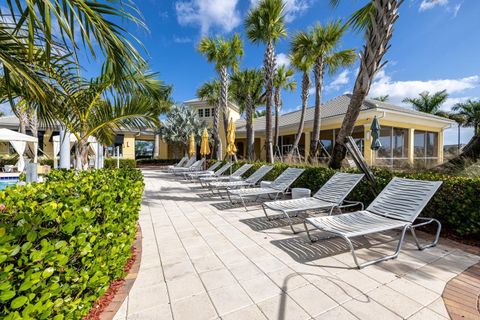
{"points": [[302, 60], [247, 89], [259, 114], [225, 54], [460, 120], [100, 106], [325, 40], [377, 18], [470, 111], [266, 24], [27, 25], [429, 103], [180, 123], [282, 80], [383, 98], [210, 92]]}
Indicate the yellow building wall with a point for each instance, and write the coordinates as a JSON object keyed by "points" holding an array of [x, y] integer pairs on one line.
{"points": [[128, 146]]}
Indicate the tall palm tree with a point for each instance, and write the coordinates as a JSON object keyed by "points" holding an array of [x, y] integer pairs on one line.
{"points": [[210, 92], [266, 24], [470, 111], [282, 80], [377, 18], [63, 26], [302, 60], [225, 54], [247, 88], [325, 41], [429, 103], [383, 98]]}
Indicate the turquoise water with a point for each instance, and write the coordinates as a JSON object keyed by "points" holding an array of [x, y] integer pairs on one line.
{"points": [[6, 183]]}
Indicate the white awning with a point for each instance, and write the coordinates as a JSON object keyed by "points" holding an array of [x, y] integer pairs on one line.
{"points": [[19, 142]]}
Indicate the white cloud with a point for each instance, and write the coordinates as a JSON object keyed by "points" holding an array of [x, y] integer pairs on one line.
{"points": [[222, 14], [342, 79], [398, 90], [429, 4], [181, 40], [282, 59], [293, 8]]}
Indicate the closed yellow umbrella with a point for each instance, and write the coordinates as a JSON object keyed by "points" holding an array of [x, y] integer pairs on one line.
{"points": [[231, 148], [204, 146], [191, 147]]}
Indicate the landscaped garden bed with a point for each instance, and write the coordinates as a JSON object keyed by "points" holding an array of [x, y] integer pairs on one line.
{"points": [[63, 242]]}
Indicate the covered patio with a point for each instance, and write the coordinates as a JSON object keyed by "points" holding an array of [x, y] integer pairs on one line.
{"points": [[203, 258]]}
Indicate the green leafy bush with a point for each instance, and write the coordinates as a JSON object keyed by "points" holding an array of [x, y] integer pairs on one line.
{"points": [[63, 241], [111, 163], [456, 204], [156, 161]]}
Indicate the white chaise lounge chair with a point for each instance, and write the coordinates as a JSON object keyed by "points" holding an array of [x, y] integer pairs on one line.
{"points": [[396, 207], [217, 173], [180, 164], [196, 166], [237, 175], [251, 181], [210, 170], [329, 197], [276, 189]]}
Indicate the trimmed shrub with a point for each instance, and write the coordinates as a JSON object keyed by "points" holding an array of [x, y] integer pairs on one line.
{"points": [[64, 241], [111, 163], [456, 204], [156, 161]]}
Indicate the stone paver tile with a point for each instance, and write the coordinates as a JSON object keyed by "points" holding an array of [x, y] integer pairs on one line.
{"points": [[148, 297], [287, 279], [312, 300], [414, 291], [369, 310], [339, 313], [395, 301], [339, 290], [197, 307], [158, 312], [149, 276], [184, 287], [439, 307], [428, 281], [217, 278], [282, 307], [178, 270], [229, 299], [425, 314], [379, 274], [260, 288], [251, 313], [232, 257], [269, 264], [245, 271], [358, 280], [208, 263]]}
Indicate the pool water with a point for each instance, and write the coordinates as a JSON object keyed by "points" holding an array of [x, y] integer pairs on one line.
{"points": [[7, 183]]}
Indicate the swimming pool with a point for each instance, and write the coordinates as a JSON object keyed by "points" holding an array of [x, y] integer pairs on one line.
{"points": [[7, 182]]}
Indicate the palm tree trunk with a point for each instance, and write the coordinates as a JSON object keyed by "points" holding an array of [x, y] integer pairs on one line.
{"points": [[250, 131], [216, 133], [81, 154], [377, 39], [278, 103], [315, 142], [156, 147], [224, 97], [269, 70], [305, 87], [32, 120]]}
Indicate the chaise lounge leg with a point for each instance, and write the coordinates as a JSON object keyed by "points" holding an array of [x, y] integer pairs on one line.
{"points": [[437, 234]]}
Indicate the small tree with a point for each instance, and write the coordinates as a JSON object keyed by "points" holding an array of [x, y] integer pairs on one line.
{"points": [[429, 103], [283, 80]]}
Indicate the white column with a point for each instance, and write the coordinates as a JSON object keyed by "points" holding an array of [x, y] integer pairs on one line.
{"points": [[99, 157], [64, 149]]}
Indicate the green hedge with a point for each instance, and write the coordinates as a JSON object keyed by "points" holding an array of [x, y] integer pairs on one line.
{"points": [[111, 163], [156, 161], [62, 242], [456, 204]]}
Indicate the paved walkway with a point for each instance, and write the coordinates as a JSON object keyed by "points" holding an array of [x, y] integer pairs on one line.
{"points": [[203, 259]]}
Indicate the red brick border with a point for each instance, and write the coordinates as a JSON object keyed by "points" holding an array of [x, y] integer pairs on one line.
{"points": [[122, 293]]}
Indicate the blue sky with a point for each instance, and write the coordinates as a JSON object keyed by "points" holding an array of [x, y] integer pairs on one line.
{"points": [[435, 46]]}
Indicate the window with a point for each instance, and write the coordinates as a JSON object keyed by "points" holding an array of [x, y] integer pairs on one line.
{"points": [[213, 111], [426, 148], [394, 150], [200, 113], [207, 113]]}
